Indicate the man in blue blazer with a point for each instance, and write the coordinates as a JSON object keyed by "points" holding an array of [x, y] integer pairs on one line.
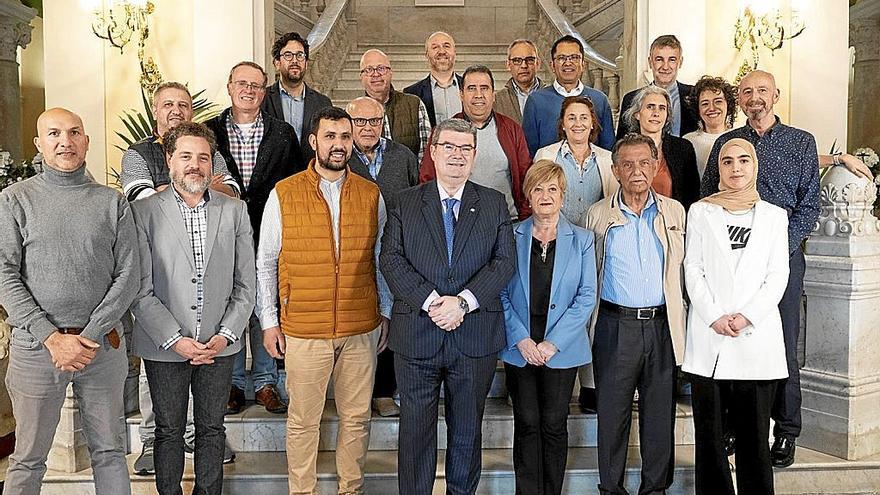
{"points": [[447, 252]]}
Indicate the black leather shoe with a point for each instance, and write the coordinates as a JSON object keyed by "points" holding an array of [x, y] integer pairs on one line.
{"points": [[782, 452], [236, 400], [587, 400], [729, 444]]}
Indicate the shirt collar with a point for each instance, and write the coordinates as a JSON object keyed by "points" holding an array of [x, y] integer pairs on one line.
{"points": [[334, 183], [776, 125], [566, 150], [284, 92], [535, 86], [648, 204], [672, 89], [379, 147], [575, 92], [444, 195], [205, 198], [436, 84]]}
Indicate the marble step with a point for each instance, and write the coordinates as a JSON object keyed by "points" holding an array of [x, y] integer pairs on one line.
{"points": [[266, 473], [418, 49], [255, 430], [352, 73]]}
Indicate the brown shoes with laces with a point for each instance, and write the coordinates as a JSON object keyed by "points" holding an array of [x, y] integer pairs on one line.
{"points": [[269, 398]]}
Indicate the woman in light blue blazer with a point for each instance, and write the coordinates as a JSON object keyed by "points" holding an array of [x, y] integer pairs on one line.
{"points": [[547, 306]]}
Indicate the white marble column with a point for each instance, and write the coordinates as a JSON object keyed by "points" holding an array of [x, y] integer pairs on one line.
{"points": [[15, 31], [864, 119], [841, 376]]}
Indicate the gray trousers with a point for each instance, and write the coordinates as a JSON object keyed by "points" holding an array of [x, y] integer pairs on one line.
{"points": [[147, 429], [38, 389]]}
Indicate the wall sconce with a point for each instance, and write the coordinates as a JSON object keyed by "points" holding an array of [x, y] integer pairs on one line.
{"points": [[122, 21], [758, 26]]}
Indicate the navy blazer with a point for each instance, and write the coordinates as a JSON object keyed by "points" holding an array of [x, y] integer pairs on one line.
{"points": [[572, 296], [423, 90], [314, 101], [414, 263]]}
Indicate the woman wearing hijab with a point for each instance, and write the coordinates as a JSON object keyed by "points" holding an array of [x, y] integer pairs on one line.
{"points": [[736, 270]]}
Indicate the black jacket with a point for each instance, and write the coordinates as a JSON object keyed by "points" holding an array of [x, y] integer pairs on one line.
{"points": [[314, 101], [689, 119], [682, 162], [278, 157], [422, 89]]}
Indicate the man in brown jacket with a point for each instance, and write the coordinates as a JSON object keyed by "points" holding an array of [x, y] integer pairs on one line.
{"points": [[523, 64], [319, 241]]}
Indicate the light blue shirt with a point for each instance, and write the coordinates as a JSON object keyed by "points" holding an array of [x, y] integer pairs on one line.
{"points": [[633, 270], [584, 185], [376, 164], [293, 108]]}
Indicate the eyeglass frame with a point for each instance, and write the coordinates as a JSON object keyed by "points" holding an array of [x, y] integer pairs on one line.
{"points": [[379, 69], [373, 121], [288, 56], [517, 61], [574, 57], [256, 87], [449, 148]]}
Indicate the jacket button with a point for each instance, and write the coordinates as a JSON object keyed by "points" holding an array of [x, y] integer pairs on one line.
{"points": [[192, 308], [450, 280], [194, 280], [552, 306]]}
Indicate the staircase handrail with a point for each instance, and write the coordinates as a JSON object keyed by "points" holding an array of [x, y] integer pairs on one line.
{"points": [[557, 18], [329, 43], [288, 12], [594, 11]]}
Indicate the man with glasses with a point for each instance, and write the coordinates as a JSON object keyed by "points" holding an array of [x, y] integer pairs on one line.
{"points": [[406, 118], [447, 252], [523, 64], [393, 167], [290, 99], [541, 112], [439, 91], [503, 156], [260, 151]]}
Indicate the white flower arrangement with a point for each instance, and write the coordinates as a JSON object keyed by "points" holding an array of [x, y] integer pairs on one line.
{"points": [[868, 156]]}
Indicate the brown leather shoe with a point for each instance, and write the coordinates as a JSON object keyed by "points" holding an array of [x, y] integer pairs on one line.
{"points": [[268, 397], [236, 400]]}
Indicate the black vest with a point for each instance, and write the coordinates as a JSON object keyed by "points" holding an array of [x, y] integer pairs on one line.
{"points": [[154, 154]]}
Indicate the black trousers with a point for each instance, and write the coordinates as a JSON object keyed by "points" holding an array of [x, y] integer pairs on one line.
{"points": [[541, 398], [786, 410], [748, 404], [630, 354], [170, 384], [466, 382], [386, 383]]}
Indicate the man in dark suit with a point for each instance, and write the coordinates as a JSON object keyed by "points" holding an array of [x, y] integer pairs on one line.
{"points": [[290, 99], [440, 90], [447, 252], [664, 60]]}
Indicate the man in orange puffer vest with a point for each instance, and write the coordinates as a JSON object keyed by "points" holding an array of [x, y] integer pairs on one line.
{"points": [[319, 241]]}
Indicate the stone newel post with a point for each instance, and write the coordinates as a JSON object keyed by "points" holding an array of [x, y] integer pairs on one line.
{"points": [[841, 376], [15, 31]]}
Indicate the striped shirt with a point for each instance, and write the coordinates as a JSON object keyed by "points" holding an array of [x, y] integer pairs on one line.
{"points": [[633, 271], [196, 221], [244, 144]]}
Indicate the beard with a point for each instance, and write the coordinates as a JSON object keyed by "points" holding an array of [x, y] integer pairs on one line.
{"points": [[757, 112], [324, 160], [191, 186], [293, 79], [442, 64]]}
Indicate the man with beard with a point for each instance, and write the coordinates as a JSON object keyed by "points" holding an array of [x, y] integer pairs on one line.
{"points": [[523, 64], [144, 171], [260, 151], [290, 99], [439, 91], [68, 272], [317, 256], [188, 345], [789, 178], [407, 121]]}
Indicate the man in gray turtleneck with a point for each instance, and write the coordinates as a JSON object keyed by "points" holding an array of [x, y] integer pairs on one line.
{"points": [[68, 271]]}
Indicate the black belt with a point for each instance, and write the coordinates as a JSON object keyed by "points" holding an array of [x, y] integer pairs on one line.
{"points": [[648, 313]]}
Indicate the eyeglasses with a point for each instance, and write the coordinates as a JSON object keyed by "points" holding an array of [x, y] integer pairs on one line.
{"points": [[450, 148], [378, 70], [289, 56], [561, 59], [520, 60], [249, 85], [360, 121]]}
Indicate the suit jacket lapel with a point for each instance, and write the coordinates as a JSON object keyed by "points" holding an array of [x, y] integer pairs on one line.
{"points": [[213, 210], [523, 233], [467, 217], [261, 164], [174, 219], [308, 110], [564, 239], [433, 215]]}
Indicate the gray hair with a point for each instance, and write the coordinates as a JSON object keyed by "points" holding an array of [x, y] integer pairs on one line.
{"points": [[629, 116], [521, 41], [633, 139], [169, 85], [455, 125]]}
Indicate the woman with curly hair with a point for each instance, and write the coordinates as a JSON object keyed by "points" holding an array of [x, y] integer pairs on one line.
{"points": [[714, 101]]}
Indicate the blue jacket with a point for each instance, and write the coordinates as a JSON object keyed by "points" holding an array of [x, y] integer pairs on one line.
{"points": [[541, 115], [572, 296]]}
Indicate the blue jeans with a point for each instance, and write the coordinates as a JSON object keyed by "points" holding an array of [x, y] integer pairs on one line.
{"points": [[264, 370]]}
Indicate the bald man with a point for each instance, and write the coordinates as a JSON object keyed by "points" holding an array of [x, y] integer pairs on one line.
{"points": [[440, 90], [65, 294], [407, 121], [788, 177]]}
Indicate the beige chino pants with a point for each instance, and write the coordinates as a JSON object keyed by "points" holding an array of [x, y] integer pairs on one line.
{"points": [[310, 364]]}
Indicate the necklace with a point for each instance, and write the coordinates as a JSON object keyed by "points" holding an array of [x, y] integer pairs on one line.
{"points": [[544, 246]]}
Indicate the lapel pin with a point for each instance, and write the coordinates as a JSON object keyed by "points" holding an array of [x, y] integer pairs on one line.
{"points": [[473, 210]]}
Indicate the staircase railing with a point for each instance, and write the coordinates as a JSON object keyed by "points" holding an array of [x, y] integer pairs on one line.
{"points": [[602, 8], [546, 23], [330, 41]]}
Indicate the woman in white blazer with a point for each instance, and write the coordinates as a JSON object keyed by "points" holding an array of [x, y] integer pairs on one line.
{"points": [[736, 270]]}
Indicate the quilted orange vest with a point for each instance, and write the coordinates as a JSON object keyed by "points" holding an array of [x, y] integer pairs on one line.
{"points": [[323, 295]]}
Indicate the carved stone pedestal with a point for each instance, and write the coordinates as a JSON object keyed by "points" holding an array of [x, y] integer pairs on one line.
{"points": [[841, 376]]}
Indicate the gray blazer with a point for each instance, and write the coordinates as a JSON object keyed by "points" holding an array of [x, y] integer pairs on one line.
{"points": [[167, 298]]}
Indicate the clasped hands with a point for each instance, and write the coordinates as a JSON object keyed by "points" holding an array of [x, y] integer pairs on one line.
{"points": [[536, 354], [446, 313], [71, 352], [198, 353], [730, 325]]}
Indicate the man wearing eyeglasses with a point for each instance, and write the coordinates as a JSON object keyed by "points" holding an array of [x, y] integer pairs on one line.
{"points": [[393, 167], [541, 112], [447, 252], [290, 99], [523, 64], [407, 121], [260, 150]]}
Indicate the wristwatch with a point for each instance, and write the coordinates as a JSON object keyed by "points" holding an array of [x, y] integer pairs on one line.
{"points": [[463, 304]]}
